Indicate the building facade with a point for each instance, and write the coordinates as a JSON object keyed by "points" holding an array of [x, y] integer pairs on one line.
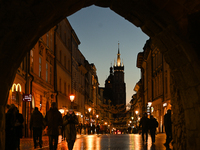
{"points": [[155, 83]]}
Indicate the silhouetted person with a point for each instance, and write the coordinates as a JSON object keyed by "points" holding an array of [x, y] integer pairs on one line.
{"points": [[93, 128], [88, 128], [37, 125], [84, 127], [153, 124], [98, 128], [80, 127], [144, 122], [10, 133], [168, 127], [69, 121], [18, 127], [53, 121], [63, 130]]}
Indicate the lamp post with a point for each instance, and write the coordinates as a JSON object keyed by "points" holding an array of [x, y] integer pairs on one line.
{"points": [[149, 105], [89, 129], [72, 97], [89, 109], [136, 112], [97, 117]]}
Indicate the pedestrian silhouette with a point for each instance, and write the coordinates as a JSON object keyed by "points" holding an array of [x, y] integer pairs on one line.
{"points": [[37, 125], [53, 120], [80, 127], [18, 128], [144, 122], [85, 126], [97, 128], [10, 133], [168, 127], [153, 124], [70, 121]]}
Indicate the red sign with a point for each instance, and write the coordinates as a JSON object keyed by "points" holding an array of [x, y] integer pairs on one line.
{"points": [[27, 98]]}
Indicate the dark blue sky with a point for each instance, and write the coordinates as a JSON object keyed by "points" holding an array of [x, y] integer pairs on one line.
{"points": [[99, 31]]}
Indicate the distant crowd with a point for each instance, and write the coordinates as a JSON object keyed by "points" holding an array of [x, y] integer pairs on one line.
{"points": [[68, 126]]}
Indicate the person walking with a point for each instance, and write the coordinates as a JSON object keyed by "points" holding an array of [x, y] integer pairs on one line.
{"points": [[18, 128], [10, 133], [168, 127], [53, 120], [37, 125], [93, 128], [84, 127], [153, 124], [70, 121], [144, 122], [97, 128], [80, 127]]}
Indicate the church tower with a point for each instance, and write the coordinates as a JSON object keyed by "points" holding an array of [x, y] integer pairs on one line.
{"points": [[119, 87]]}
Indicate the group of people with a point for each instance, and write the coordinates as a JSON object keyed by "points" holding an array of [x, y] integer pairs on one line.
{"points": [[53, 120], [90, 128], [151, 124]]}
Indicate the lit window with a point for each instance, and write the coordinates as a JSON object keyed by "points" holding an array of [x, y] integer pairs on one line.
{"points": [[46, 72], [40, 67]]}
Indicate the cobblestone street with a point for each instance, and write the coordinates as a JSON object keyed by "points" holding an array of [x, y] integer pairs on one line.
{"points": [[103, 142]]}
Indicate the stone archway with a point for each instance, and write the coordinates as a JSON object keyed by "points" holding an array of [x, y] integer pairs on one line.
{"points": [[172, 25]]}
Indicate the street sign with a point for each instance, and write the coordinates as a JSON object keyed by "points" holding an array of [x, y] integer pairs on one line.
{"points": [[27, 98]]}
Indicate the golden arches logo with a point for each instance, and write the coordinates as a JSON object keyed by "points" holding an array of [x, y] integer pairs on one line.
{"points": [[16, 87]]}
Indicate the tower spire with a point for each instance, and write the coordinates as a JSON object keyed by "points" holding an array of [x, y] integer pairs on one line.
{"points": [[118, 57]]}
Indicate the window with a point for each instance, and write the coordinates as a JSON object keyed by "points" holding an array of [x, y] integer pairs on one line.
{"points": [[68, 89], [31, 60], [40, 67], [46, 72], [40, 102], [60, 56], [65, 61], [47, 38], [69, 66], [51, 41], [65, 88], [65, 39], [60, 85], [51, 75]]}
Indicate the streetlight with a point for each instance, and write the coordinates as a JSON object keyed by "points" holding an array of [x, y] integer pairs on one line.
{"points": [[149, 105], [136, 112], [72, 97], [89, 109], [97, 117]]}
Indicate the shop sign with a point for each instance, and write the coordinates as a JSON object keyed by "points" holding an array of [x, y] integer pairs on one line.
{"points": [[27, 98]]}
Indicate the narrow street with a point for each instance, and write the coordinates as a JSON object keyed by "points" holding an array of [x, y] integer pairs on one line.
{"points": [[103, 142]]}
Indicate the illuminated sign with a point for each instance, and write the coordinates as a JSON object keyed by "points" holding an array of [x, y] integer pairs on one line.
{"points": [[165, 104], [27, 98]]}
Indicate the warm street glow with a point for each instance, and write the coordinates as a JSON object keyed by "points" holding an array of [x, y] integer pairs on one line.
{"points": [[136, 112], [72, 97], [89, 109], [149, 104], [97, 116], [62, 111]]}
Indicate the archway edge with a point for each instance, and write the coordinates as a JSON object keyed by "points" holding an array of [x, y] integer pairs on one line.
{"points": [[23, 22]]}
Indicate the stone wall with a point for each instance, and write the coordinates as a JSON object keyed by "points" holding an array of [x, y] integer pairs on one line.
{"points": [[2, 127], [178, 119]]}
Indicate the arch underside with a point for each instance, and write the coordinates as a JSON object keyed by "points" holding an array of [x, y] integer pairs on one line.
{"points": [[173, 26]]}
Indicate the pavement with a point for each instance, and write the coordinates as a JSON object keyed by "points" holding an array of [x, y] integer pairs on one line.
{"points": [[102, 142]]}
